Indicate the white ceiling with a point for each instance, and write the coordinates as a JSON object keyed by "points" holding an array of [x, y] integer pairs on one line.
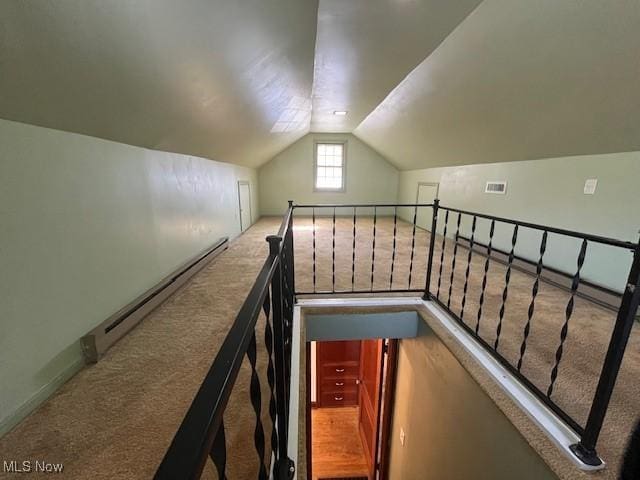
{"points": [[425, 82], [364, 48], [204, 77], [518, 80]]}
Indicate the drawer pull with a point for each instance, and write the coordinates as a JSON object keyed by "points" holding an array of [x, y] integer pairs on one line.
{"points": [[339, 370], [338, 398], [339, 384]]}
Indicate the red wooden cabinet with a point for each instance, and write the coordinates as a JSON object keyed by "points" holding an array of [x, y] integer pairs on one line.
{"points": [[338, 368]]}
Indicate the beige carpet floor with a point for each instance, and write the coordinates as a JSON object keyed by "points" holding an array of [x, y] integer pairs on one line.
{"points": [[115, 419]]}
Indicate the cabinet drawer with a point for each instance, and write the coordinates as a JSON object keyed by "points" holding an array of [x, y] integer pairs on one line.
{"points": [[340, 370], [338, 384], [339, 399]]}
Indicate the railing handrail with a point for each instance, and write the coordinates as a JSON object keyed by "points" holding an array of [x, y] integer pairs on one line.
{"points": [[361, 205], [192, 443], [614, 242], [285, 221], [561, 231]]}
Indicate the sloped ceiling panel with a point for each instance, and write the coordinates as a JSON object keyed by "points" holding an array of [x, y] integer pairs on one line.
{"points": [[517, 80], [224, 80], [364, 48]]}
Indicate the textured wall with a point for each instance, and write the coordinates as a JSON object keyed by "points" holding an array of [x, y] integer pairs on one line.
{"points": [[549, 192], [453, 430], [289, 176], [87, 225]]}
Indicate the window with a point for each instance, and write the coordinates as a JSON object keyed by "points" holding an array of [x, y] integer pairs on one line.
{"points": [[329, 166]]}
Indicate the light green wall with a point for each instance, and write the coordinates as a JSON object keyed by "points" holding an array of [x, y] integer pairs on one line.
{"points": [[549, 192], [453, 429], [86, 226], [289, 176]]}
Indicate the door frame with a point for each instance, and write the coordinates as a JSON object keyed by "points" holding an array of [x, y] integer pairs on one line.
{"points": [[388, 392], [376, 405], [248, 184], [427, 184], [307, 417], [386, 399], [385, 415]]}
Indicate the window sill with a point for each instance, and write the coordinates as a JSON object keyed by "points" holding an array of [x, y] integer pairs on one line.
{"points": [[329, 190]]}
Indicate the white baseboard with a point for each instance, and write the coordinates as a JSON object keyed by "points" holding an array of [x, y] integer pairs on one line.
{"points": [[39, 397]]}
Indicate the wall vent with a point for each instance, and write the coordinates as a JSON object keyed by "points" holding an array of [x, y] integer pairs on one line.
{"points": [[496, 187]]}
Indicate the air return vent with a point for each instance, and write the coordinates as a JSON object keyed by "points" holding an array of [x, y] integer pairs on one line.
{"points": [[496, 187]]}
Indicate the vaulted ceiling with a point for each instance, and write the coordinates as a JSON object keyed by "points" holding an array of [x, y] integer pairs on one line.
{"points": [[204, 77], [424, 82]]}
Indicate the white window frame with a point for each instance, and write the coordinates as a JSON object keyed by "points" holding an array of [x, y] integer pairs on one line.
{"points": [[342, 188]]}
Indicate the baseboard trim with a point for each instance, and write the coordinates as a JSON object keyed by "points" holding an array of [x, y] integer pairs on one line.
{"points": [[101, 338], [104, 336], [39, 397]]}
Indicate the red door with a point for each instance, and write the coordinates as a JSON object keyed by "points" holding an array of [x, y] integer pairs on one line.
{"points": [[371, 352]]}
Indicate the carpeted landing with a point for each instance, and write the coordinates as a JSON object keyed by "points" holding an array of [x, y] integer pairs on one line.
{"points": [[115, 419]]}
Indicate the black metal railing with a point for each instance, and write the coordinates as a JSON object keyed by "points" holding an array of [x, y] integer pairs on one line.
{"points": [[589, 430], [202, 432], [363, 270], [448, 282], [395, 249]]}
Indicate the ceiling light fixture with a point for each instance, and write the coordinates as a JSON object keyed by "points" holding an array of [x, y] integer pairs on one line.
{"points": [[340, 113]]}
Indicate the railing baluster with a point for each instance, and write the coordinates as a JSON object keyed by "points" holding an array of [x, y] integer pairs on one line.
{"points": [[271, 376], [444, 239], [393, 250], [218, 452], [413, 244], [453, 260], [486, 273], [287, 291], [466, 275], [282, 354], [333, 253], [313, 216], [353, 253], [373, 245], [534, 294], [256, 402], [567, 316], [432, 244], [505, 291]]}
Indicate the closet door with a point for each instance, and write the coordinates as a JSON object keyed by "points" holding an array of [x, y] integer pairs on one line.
{"points": [[371, 352]]}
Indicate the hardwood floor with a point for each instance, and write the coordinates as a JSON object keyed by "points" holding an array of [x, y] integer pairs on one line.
{"points": [[336, 446]]}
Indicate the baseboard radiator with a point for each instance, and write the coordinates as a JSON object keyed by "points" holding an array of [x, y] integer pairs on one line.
{"points": [[105, 335]]}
